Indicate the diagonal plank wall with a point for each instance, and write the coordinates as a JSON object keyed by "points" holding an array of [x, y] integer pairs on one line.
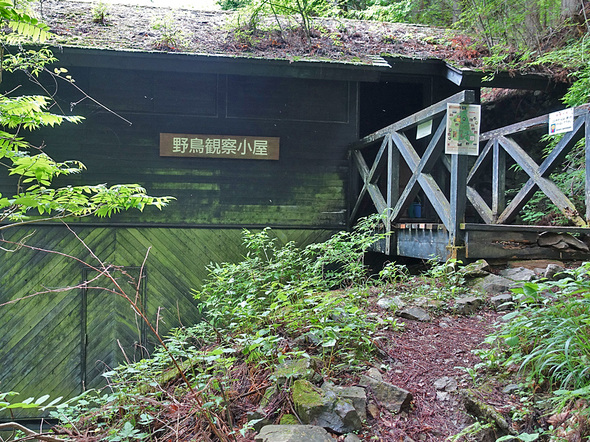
{"points": [[56, 343]]}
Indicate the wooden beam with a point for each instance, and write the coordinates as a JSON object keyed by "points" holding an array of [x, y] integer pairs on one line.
{"points": [[483, 156], [480, 205], [429, 113], [363, 171], [419, 177], [524, 228], [393, 158], [417, 165], [536, 178], [533, 123], [498, 180], [457, 201]]}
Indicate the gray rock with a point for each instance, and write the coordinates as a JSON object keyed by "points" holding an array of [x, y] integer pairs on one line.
{"points": [[476, 269], [375, 374], [257, 420], [414, 314], [391, 303], [341, 417], [356, 395], [446, 384], [324, 408], [352, 438], [494, 284], [444, 323], [502, 302], [293, 433], [467, 305], [373, 410], [395, 399], [512, 388], [552, 270], [518, 274]]}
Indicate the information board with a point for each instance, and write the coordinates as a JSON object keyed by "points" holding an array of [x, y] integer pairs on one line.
{"points": [[462, 136]]}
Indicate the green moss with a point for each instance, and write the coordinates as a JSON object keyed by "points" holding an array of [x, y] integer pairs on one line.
{"points": [[305, 393], [289, 419]]}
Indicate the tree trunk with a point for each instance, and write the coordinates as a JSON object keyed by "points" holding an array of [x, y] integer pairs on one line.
{"points": [[532, 23], [569, 8]]}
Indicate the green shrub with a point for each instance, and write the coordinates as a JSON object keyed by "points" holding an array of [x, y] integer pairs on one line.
{"points": [[548, 337]]}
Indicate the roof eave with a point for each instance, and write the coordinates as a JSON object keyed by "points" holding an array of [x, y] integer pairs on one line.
{"points": [[468, 78]]}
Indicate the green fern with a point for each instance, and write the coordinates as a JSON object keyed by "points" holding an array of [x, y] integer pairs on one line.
{"points": [[22, 25]]}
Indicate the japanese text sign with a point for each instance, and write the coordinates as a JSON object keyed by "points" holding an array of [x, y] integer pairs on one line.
{"points": [[219, 146], [561, 122]]}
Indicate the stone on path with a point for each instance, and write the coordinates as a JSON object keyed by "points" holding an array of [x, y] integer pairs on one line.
{"points": [[395, 399], [293, 433], [391, 303], [519, 274], [467, 305], [476, 269], [356, 395], [493, 284], [414, 314], [446, 384], [502, 302], [552, 270]]}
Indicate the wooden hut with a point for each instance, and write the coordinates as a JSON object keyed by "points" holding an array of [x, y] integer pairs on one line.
{"points": [[239, 142]]}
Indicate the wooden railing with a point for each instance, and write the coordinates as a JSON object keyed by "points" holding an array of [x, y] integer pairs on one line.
{"points": [[499, 143], [447, 183]]}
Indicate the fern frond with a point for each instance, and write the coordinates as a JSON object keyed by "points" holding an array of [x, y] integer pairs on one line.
{"points": [[23, 25]]}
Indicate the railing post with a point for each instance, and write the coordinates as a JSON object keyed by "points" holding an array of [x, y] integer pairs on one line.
{"points": [[498, 180], [458, 198], [393, 160]]}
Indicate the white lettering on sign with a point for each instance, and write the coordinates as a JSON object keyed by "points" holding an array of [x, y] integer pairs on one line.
{"points": [[179, 145], [219, 146]]}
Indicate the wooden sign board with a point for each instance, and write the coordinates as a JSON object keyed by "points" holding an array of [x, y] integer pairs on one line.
{"points": [[235, 147]]}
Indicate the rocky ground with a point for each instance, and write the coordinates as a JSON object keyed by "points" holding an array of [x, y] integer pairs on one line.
{"points": [[441, 391]]}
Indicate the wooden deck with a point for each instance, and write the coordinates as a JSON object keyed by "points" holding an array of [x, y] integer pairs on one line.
{"points": [[459, 217]]}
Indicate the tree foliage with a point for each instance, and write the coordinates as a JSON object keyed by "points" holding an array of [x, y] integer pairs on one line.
{"points": [[36, 197]]}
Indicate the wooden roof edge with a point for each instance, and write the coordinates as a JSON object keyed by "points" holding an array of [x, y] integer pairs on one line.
{"points": [[470, 78], [222, 63]]}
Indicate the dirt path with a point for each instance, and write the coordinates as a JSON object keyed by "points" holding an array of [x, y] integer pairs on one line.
{"points": [[419, 356]]}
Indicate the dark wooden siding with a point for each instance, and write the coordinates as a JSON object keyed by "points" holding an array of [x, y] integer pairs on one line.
{"points": [[315, 119], [41, 344]]}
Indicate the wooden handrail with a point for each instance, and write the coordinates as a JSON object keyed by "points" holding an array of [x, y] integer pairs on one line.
{"points": [[415, 119], [531, 124]]}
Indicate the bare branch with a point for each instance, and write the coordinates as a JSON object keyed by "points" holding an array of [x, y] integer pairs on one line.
{"points": [[30, 433]]}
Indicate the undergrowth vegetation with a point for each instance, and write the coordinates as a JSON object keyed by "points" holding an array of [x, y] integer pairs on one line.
{"points": [[283, 309], [546, 339], [278, 304]]}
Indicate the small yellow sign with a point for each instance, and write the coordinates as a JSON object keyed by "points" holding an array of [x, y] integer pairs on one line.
{"points": [[235, 147]]}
